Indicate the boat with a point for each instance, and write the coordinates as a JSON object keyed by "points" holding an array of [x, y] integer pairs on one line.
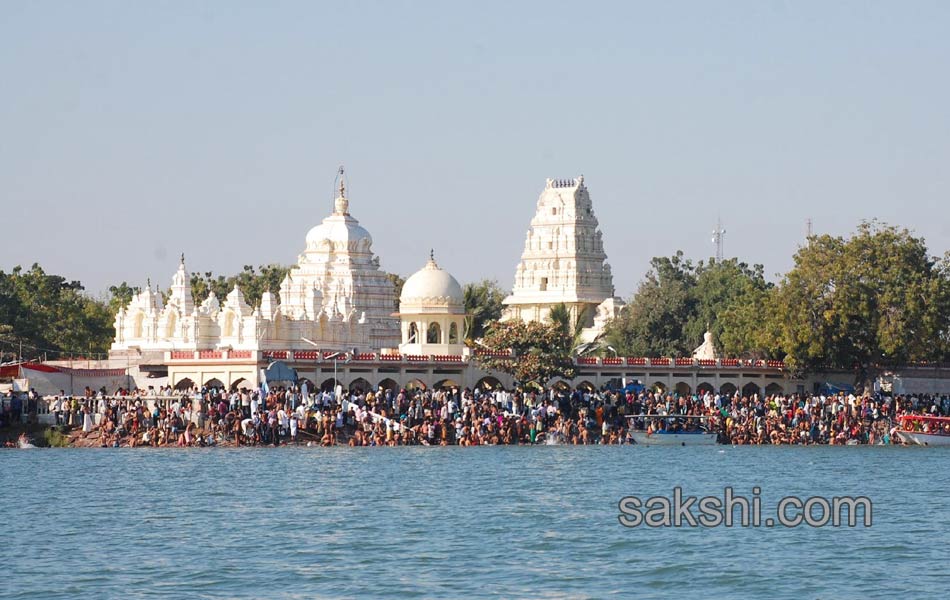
{"points": [[671, 430], [921, 430]]}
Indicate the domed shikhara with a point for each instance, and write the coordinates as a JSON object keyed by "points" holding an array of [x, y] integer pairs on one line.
{"points": [[339, 232], [335, 298], [432, 288]]}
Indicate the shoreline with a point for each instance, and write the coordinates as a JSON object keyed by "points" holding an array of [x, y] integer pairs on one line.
{"points": [[37, 437]]}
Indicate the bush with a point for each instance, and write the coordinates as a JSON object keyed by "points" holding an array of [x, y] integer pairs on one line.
{"points": [[56, 437]]}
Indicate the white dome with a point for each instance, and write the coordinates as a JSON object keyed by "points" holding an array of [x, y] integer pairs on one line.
{"points": [[433, 284], [337, 229]]}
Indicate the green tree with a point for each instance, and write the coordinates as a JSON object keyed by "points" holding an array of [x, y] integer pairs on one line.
{"points": [[571, 328], [52, 315], [120, 295], [678, 302], [537, 351], [745, 326], [875, 300], [719, 286], [253, 282], [654, 321], [483, 304]]}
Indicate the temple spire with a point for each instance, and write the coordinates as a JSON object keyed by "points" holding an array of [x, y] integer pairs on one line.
{"points": [[341, 206], [432, 264]]}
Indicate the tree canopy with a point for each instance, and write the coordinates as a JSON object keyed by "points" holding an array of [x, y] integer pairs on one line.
{"points": [[539, 351], [876, 299], [483, 304], [678, 302], [253, 283], [51, 315]]}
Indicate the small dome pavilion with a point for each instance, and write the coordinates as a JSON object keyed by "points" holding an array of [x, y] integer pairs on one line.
{"points": [[432, 311]]}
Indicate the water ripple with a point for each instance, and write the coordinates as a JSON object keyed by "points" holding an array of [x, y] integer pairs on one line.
{"points": [[446, 522]]}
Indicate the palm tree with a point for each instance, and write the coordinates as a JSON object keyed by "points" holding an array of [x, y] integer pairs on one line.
{"points": [[483, 303], [560, 315]]}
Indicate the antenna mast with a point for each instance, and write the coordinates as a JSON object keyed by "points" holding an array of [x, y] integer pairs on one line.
{"points": [[718, 236]]}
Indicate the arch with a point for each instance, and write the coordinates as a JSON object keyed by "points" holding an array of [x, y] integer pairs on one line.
{"points": [[416, 384], [705, 388], [413, 334], [138, 325], [774, 388], [586, 385], [388, 384], [728, 389], [361, 385], [434, 334], [454, 333], [214, 382], [445, 383], [751, 388], [489, 383], [328, 384], [659, 386], [561, 385], [184, 384], [228, 329], [280, 371], [682, 388], [172, 324], [235, 385]]}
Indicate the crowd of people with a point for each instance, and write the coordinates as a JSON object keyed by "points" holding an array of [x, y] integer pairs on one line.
{"points": [[208, 417]]}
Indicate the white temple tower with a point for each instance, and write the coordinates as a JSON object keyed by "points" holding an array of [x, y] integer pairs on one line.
{"points": [[564, 261]]}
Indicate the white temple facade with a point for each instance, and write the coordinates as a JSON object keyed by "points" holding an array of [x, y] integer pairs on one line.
{"points": [[432, 311], [336, 298], [564, 262]]}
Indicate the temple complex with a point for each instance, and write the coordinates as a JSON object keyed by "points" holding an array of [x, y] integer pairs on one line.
{"points": [[564, 262], [333, 321], [335, 298]]}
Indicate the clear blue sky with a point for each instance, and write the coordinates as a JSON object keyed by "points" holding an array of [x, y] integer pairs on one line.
{"points": [[133, 131]]}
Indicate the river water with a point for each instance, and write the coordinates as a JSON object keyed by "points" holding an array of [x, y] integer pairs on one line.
{"points": [[528, 522]]}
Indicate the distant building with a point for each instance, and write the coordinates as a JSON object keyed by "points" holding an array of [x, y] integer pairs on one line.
{"points": [[336, 297], [564, 262]]}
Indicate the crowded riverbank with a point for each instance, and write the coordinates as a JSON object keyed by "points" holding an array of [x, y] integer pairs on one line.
{"points": [[290, 416]]}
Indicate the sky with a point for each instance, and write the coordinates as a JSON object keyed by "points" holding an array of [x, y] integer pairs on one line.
{"points": [[131, 132]]}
